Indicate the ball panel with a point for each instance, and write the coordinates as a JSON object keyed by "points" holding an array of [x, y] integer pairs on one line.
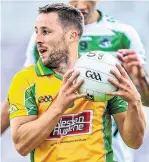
{"points": [[100, 56], [98, 83], [95, 69], [94, 94]]}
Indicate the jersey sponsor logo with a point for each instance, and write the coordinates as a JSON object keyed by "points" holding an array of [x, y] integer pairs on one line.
{"points": [[73, 124], [105, 43], [93, 75], [47, 98], [13, 109]]}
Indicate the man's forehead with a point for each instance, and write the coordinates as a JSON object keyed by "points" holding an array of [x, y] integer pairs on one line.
{"points": [[47, 19]]}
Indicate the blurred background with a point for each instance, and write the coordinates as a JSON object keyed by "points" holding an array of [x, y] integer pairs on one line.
{"points": [[17, 25]]}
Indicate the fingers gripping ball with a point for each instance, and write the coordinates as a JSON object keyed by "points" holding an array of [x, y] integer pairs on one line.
{"points": [[95, 69]]}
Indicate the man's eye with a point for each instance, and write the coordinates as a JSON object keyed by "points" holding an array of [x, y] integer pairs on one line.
{"points": [[45, 32]]}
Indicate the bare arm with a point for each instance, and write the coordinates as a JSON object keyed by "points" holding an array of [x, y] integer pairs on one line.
{"points": [[144, 91], [4, 116], [29, 132], [131, 123]]}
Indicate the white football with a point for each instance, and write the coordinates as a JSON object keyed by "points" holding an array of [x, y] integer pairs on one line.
{"points": [[95, 69]]}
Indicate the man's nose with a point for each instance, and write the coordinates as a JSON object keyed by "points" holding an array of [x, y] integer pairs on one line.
{"points": [[39, 39]]}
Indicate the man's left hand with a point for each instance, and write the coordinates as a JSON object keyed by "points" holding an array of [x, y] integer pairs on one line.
{"points": [[126, 88]]}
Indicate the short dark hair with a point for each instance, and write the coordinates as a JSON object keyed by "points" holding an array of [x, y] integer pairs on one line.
{"points": [[68, 15]]}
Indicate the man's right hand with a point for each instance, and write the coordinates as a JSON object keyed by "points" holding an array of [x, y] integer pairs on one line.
{"points": [[68, 92]]}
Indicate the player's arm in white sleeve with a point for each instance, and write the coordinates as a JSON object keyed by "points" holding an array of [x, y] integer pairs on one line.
{"points": [[136, 43], [30, 58]]}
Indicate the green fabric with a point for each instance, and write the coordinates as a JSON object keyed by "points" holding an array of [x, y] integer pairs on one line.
{"points": [[101, 15], [107, 131], [32, 156], [36, 54], [117, 105], [46, 71], [30, 103], [125, 42], [37, 69], [114, 105], [58, 76], [109, 43]]}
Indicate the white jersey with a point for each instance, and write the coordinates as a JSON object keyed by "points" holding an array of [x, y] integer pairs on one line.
{"points": [[107, 34]]}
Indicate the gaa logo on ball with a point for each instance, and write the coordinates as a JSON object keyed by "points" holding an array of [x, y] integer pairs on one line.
{"points": [[95, 69], [93, 75]]}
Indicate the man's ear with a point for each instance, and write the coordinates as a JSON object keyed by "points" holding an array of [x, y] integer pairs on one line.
{"points": [[72, 36]]}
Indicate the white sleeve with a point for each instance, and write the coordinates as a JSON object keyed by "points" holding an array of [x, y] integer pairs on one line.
{"points": [[30, 59], [136, 43], [132, 35]]}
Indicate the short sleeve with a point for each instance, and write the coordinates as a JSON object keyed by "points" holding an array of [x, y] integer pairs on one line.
{"points": [[21, 97], [117, 105]]}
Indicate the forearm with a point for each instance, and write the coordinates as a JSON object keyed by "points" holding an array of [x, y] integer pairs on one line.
{"points": [[4, 116], [144, 97], [4, 122], [134, 125], [143, 89], [141, 81], [32, 134]]}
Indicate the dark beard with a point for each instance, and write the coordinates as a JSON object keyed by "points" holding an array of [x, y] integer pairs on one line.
{"points": [[57, 57]]}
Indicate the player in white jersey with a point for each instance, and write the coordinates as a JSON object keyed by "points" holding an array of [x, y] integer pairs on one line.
{"points": [[104, 33]]}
